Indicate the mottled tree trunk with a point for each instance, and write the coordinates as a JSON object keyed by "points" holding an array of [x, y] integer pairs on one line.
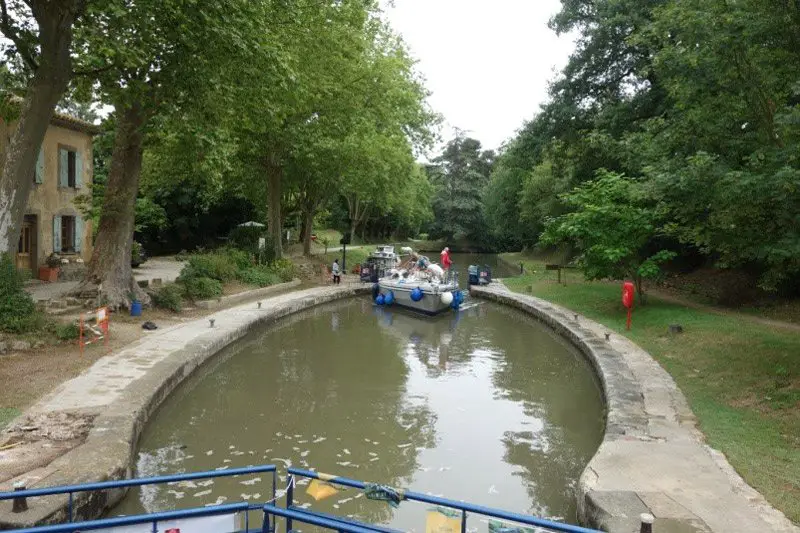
{"points": [[308, 229], [52, 75], [274, 192], [109, 276]]}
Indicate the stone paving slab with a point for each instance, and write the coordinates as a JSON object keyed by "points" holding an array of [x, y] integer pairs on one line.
{"points": [[652, 458], [118, 394]]}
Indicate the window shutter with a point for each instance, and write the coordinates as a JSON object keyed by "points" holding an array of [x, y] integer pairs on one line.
{"points": [[63, 168], [78, 170], [57, 234], [78, 234], [40, 166]]}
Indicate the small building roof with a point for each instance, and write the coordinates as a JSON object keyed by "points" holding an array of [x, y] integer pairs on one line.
{"points": [[64, 120]]}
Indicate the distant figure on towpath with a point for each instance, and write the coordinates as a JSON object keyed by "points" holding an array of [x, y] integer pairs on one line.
{"points": [[337, 275]]}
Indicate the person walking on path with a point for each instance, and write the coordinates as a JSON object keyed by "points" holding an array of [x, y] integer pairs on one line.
{"points": [[446, 261], [337, 275]]}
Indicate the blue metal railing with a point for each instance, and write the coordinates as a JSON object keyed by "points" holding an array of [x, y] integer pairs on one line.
{"points": [[290, 515], [271, 512], [154, 518], [443, 502], [71, 490]]}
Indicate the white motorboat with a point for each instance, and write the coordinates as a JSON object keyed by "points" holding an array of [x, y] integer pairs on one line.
{"points": [[420, 286]]}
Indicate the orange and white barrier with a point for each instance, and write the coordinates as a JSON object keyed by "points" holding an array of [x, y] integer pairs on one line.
{"points": [[94, 328]]}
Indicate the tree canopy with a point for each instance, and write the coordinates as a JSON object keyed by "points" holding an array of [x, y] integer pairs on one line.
{"points": [[698, 103]]}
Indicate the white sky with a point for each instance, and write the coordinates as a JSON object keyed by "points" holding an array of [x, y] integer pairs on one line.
{"points": [[487, 62]]}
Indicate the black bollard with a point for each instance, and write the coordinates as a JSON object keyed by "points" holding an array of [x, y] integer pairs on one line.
{"points": [[647, 523], [19, 505], [521, 268]]}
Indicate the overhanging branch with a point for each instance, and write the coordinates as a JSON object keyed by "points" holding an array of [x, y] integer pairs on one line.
{"points": [[13, 35]]}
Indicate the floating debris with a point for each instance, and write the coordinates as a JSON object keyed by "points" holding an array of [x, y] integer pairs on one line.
{"points": [[346, 451], [302, 442], [206, 483], [178, 495], [343, 463], [373, 454], [202, 493], [251, 481], [188, 484], [226, 460], [210, 452], [305, 453], [374, 459], [222, 468], [237, 453], [286, 462], [318, 440], [231, 447], [295, 448], [493, 490], [406, 445]]}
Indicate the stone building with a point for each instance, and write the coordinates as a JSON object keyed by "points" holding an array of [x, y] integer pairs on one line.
{"points": [[53, 222]]}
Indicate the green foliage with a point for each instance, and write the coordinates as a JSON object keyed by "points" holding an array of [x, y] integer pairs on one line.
{"points": [[67, 332], [246, 238], [18, 312], [459, 177], [216, 265], [705, 115], [262, 276], [136, 252], [169, 297], [201, 288], [284, 269], [611, 225]]}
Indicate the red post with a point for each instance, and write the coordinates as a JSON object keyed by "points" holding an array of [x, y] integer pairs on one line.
{"points": [[627, 300]]}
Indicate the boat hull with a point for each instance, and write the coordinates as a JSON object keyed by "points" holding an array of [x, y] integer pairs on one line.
{"points": [[430, 304]]}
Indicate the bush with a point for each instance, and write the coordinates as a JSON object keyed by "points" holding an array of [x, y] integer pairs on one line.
{"points": [[201, 288], [218, 266], [242, 259], [169, 297], [259, 275], [284, 268], [67, 332], [18, 313]]}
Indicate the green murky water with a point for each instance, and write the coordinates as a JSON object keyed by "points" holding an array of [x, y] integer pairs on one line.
{"points": [[487, 406]]}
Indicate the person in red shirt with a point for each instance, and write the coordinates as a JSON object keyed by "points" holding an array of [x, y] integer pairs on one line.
{"points": [[446, 261]]}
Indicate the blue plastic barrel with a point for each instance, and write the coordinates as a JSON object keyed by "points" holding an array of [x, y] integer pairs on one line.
{"points": [[136, 308]]}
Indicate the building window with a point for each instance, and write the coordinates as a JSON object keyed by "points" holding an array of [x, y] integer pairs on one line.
{"points": [[70, 168], [67, 234]]}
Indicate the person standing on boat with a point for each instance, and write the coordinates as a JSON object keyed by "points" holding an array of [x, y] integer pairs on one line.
{"points": [[337, 275], [446, 261]]}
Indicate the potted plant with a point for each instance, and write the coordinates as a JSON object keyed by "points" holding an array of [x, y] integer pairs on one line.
{"points": [[52, 268]]}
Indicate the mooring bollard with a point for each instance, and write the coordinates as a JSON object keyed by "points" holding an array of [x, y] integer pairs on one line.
{"points": [[259, 305], [19, 505], [211, 322], [647, 522], [576, 317], [608, 336]]}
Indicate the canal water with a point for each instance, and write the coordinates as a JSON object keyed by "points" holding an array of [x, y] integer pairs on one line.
{"points": [[486, 405]]}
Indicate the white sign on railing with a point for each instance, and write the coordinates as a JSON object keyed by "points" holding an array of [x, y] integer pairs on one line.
{"points": [[227, 523]]}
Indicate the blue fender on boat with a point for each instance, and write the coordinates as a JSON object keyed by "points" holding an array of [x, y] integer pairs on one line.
{"points": [[376, 290], [379, 300], [417, 294], [388, 299]]}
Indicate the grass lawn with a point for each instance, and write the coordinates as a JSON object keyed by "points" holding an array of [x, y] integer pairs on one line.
{"points": [[742, 379], [354, 256]]}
